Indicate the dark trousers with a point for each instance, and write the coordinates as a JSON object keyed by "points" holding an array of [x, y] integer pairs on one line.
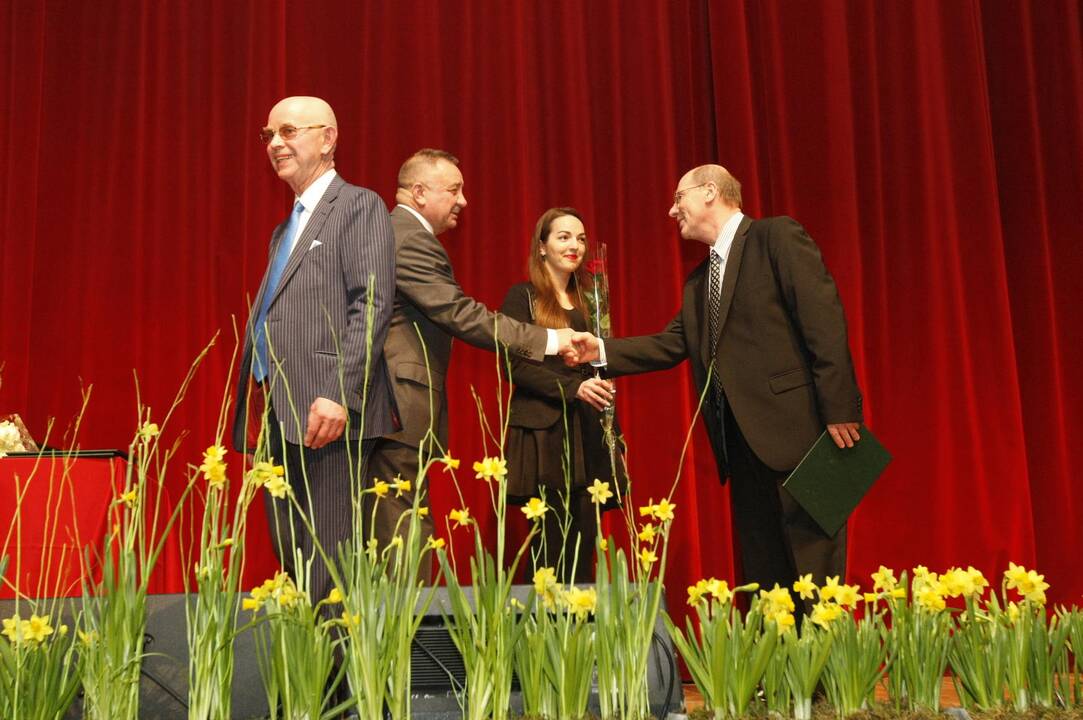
{"points": [[321, 480], [777, 539], [389, 460]]}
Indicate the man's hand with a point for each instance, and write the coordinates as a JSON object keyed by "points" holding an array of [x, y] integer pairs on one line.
{"points": [[597, 392], [326, 421], [844, 434], [584, 348]]}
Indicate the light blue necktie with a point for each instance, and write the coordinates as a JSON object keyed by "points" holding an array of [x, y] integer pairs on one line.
{"points": [[260, 366]]}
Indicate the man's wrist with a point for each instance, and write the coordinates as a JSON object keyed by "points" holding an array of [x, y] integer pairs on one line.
{"points": [[552, 342]]}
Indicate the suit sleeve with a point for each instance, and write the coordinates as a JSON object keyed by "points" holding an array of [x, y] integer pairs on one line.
{"points": [[367, 256], [424, 277], [812, 302], [538, 379], [646, 353]]}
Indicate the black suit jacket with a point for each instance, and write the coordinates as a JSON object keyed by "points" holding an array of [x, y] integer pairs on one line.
{"points": [[782, 354], [537, 401]]}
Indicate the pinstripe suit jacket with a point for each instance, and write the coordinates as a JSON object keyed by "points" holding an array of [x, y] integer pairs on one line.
{"points": [[317, 322], [428, 297]]}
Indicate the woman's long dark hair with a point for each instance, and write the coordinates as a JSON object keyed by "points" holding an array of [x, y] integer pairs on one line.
{"points": [[547, 309]]}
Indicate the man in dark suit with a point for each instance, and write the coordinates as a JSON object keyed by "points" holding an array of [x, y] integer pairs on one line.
{"points": [[762, 309], [308, 332], [430, 310]]}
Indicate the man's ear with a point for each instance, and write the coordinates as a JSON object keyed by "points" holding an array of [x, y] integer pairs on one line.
{"points": [[330, 139], [417, 191]]}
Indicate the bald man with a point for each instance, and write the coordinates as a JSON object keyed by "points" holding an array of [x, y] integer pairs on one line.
{"points": [[308, 332], [765, 311]]}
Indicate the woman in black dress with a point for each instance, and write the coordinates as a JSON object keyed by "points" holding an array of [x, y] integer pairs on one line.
{"points": [[538, 450]]}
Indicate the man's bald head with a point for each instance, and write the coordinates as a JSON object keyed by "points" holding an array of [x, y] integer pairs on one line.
{"points": [[706, 197], [728, 186], [310, 152]]}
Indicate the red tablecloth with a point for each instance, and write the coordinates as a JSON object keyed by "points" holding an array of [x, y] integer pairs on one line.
{"points": [[64, 507]]}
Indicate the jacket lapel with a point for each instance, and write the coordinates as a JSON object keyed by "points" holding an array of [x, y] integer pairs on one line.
{"points": [[312, 231]]}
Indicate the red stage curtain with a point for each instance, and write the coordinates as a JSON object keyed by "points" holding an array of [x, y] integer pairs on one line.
{"points": [[934, 150]]}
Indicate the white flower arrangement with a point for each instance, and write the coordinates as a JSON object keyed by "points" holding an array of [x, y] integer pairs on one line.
{"points": [[11, 440]]}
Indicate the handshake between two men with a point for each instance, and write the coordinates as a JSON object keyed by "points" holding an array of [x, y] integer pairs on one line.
{"points": [[577, 347]]}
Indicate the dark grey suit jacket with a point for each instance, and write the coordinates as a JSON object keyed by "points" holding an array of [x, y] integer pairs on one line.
{"points": [[431, 309], [317, 322], [782, 354]]}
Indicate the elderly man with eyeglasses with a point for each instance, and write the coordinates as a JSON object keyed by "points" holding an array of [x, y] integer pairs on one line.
{"points": [[306, 346]]}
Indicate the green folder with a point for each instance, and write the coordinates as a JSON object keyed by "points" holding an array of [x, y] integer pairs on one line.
{"points": [[829, 482]]}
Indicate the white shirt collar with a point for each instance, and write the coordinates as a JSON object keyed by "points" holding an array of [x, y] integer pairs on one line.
{"points": [[419, 216], [311, 196], [724, 242]]}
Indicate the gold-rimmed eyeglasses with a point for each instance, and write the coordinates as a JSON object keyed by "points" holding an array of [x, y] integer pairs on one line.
{"points": [[680, 193], [286, 132]]}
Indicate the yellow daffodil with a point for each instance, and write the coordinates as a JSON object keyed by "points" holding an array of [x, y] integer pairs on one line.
{"points": [[784, 622], [977, 580], [401, 486], [277, 486], [647, 558], [264, 472], [88, 638], [129, 498], [663, 511], [350, 620], [884, 580], [461, 518], [603, 545], [930, 598], [251, 603], [830, 589], [335, 596], [491, 468], [647, 533], [422, 512], [13, 629], [395, 542], [697, 592], [648, 509], [720, 590], [545, 586], [599, 492], [870, 597], [37, 628], [1014, 575], [381, 488], [825, 613], [213, 467], [148, 430], [804, 587], [848, 595], [1013, 611], [450, 463], [435, 543], [534, 509], [581, 601], [776, 601]]}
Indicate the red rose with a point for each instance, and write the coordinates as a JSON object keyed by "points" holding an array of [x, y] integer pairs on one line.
{"points": [[595, 267]]}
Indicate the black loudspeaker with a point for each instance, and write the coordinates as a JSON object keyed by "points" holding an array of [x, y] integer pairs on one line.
{"points": [[163, 685], [437, 667]]}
